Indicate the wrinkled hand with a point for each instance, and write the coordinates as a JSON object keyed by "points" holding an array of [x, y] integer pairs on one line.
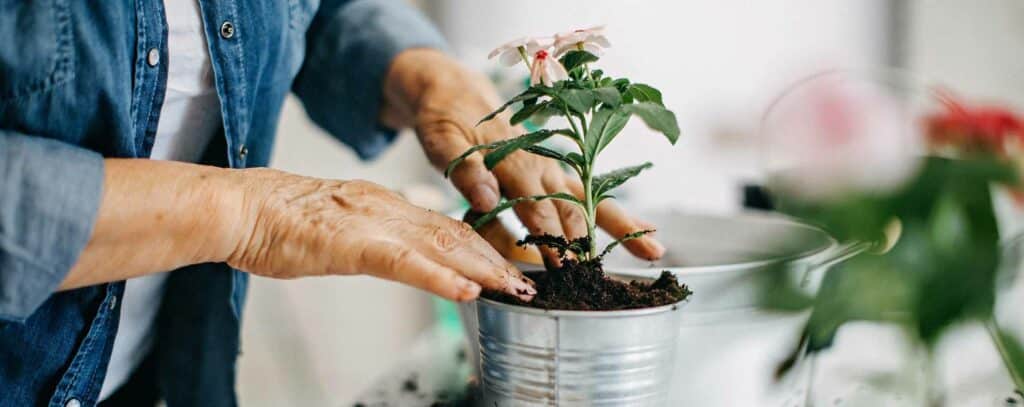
{"points": [[297, 226], [444, 102]]}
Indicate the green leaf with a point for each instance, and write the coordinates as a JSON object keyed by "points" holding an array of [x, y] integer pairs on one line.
{"points": [[1011, 351], [622, 84], [626, 238], [546, 152], [508, 203], [608, 95], [645, 93], [528, 94], [609, 181], [549, 153], [458, 160], [578, 100], [657, 118], [500, 152], [576, 58], [526, 112], [576, 158], [605, 124]]}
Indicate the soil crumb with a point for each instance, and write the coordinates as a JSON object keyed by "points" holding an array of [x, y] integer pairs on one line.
{"points": [[583, 286]]}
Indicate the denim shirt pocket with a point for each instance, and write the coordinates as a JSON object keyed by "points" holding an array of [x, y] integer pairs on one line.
{"points": [[36, 53]]}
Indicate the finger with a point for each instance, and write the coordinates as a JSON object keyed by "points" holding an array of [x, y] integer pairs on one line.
{"points": [[618, 223], [573, 219], [504, 241], [520, 175], [455, 245], [407, 266], [444, 141], [540, 218], [645, 225]]}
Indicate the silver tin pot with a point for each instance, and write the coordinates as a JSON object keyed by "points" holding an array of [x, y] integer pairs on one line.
{"points": [[534, 357], [726, 346]]}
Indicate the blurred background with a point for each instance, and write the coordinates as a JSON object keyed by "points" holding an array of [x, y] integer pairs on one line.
{"points": [[719, 64]]}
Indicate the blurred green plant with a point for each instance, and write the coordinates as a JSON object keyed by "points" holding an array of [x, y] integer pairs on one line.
{"points": [[943, 268]]}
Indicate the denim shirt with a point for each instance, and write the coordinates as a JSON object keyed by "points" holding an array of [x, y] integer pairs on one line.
{"points": [[84, 80]]}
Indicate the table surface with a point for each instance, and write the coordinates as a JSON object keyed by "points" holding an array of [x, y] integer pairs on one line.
{"points": [[870, 365]]}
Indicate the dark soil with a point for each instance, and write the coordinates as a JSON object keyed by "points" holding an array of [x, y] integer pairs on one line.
{"points": [[583, 286]]}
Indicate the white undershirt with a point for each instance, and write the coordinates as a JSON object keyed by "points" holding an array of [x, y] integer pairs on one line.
{"points": [[189, 117]]}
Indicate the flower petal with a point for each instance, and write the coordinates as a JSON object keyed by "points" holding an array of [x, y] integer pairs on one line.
{"points": [[600, 39], [593, 49], [510, 58], [559, 51], [495, 52], [535, 71], [556, 72], [537, 44]]}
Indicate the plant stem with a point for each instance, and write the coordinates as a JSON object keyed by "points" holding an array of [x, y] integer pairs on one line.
{"points": [[587, 180], [579, 135], [522, 54], [588, 201], [586, 67], [997, 340]]}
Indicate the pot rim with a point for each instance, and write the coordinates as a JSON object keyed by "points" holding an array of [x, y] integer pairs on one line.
{"points": [[587, 314], [828, 243], [634, 312]]}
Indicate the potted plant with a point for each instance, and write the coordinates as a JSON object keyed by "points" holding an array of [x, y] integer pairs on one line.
{"points": [[587, 337], [855, 173]]}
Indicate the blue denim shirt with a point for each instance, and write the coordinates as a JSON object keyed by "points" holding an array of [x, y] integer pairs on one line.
{"points": [[77, 85]]}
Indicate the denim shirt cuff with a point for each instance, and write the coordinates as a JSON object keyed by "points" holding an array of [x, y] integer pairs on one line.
{"points": [[350, 51], [51, 193]]}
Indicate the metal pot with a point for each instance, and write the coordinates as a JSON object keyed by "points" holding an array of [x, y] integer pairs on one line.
{"points": [[534, 357], [726, 348]]}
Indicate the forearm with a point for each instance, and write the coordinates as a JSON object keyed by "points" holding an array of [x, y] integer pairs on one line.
{"points": [[157, 216]]}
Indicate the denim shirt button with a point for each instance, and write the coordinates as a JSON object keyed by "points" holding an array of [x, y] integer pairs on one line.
{"points": [[73, 403], [227, 30], [153, 57], [243, 151], [113, 302]]}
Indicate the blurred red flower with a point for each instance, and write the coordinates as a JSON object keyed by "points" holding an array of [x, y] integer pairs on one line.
{"points": [[974, 129]]}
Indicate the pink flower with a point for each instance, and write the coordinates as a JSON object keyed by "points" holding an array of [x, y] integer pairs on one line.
{"points": [[546, 69], [590, 39], [516, 50], [835, 135]]}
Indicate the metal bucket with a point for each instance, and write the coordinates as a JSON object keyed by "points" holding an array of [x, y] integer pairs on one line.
{"points": [[726, 347], [729, 347], [534, 357]]}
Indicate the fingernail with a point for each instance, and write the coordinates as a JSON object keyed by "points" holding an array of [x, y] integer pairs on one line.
{"points": [[520, 287], [655, 247], [551, 259], [468, 289], [483, 198]]}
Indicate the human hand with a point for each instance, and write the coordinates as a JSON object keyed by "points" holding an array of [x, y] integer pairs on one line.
{"points": [[294, 226], [444, 101]]}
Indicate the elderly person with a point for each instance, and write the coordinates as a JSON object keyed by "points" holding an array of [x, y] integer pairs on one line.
{"points": [[130, 213]]}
